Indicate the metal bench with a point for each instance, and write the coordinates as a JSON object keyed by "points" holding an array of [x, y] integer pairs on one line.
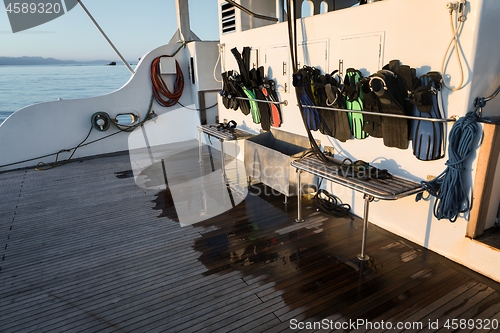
{"points": [[388, 189], [222, 135]]}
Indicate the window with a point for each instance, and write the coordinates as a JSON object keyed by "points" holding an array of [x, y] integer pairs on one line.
{"points": [[307, 8], [228, 18], [323, 7]]}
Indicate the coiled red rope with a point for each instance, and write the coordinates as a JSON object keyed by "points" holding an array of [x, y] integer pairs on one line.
{"points": [[160, 89]]}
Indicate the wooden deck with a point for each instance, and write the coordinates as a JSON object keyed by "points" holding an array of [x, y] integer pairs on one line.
{"points": [[84, 249], [491, 237]]}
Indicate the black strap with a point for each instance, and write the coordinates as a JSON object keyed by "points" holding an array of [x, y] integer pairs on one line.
{"points": [[422, 96], [242, 65], [264, 108], [351, 88]]}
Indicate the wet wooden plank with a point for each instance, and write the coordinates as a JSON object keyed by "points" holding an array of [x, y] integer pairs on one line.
{"points": [[491, 237], [476, 316], [433, 287], [88, 250]]}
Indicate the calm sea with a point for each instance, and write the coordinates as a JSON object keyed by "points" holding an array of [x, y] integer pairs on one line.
{"points": [[21, 86]]}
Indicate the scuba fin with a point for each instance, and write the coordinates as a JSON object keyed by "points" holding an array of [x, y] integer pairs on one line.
{"points": [[254, 107], [354, 98], [267, 88], [244, 82], [242, 60], [226, 92], [427, 137], [302, 83], [407, 80], [232, 87], [264, 108], [340, 122], [327, 125], [395, 130], [372, 123]]}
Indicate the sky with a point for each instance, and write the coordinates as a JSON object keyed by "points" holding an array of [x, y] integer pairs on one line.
{"points": [[134, 27]]}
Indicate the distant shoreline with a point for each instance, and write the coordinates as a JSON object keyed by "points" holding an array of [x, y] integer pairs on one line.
{"points": [[29, 61]]}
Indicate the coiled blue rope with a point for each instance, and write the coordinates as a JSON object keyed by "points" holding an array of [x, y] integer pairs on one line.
{"points": [[449, 188]]}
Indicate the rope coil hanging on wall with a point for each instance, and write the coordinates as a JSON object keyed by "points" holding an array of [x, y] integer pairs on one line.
{"points": [[451, 188], [160, 88]]}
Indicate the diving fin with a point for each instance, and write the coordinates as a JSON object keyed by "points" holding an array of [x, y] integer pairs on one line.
{"points": [[407, 80], [327, 94], [302, 83], [254, 107], [269, 93], [327, 124], [354, 101], [395, 130], [340, 119], [427, 137], [264, 108], [267, 86], [372, 123]]}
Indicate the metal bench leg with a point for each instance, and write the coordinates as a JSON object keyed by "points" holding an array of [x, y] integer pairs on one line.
{"points": [[199, 146], [223, 164], [363, 256], [299, 195]]}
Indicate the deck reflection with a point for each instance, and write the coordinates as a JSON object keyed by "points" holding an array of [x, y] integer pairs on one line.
{"points": [[193, 187], [305, 266]]}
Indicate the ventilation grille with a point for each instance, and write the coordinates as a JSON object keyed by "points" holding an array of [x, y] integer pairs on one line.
{"points": [[228, 18]]}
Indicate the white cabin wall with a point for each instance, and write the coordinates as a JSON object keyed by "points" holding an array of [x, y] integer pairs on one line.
{"points": [[266, 8], [316, 28], [487, 61], [205, 64], [416, 32]]}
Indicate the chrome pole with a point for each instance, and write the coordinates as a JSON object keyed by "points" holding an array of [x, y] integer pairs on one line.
{"points": [[436, 120], [299, 194], [106, 37], [362, 256], [260, 100]]}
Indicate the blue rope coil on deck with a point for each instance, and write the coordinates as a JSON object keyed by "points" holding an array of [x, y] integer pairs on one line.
{"points": [[452, 195]]}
